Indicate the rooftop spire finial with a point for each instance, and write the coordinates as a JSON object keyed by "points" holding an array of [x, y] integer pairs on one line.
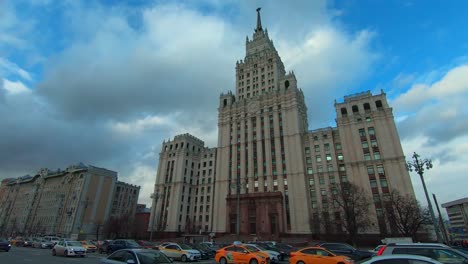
{"points": [[259, 21]]}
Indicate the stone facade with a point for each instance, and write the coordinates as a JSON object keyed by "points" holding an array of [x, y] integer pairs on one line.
{"points": [[268, 165], [70, 202]]}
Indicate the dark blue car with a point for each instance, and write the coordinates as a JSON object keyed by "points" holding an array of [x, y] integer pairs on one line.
{"points": [[5, 244]]}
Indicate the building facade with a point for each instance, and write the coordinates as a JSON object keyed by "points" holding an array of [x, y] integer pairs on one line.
{"points": [[457, 212], [272, 175], [76, 201]]}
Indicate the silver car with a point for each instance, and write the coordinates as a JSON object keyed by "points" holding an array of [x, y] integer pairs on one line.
{"points": [[181, 252], [69, 249], [136, 256], [402, 258]]}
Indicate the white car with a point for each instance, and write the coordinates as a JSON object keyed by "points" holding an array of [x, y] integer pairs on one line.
{"points": [[68, 249], [274, 256], [181, 252], [400, 258]]}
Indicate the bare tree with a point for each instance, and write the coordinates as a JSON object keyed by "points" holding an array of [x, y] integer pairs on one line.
{"points": [[405, 213], [354, 206]]}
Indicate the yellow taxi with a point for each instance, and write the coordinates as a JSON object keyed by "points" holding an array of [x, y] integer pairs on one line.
{"points": [[90, 247], [320, 255], [241, 254]]}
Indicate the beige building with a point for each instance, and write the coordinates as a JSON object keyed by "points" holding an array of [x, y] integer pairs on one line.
{"points": [[270, 171], [457, 212], [67, 202]]}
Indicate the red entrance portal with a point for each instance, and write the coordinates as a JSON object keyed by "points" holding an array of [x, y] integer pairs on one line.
{"points": [[261, 214]]}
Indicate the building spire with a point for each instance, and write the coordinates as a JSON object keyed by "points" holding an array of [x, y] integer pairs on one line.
{"points": [[259, 21]]}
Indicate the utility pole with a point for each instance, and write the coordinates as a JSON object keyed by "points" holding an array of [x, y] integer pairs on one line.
{"points": [[418, 165], [444, 231], [238, 207], [155, 196]]}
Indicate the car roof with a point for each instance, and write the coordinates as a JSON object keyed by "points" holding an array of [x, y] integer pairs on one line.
{"points": [[399, 256], [417, 245]]}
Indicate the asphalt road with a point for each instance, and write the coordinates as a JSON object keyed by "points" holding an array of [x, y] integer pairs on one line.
{"points": [[27, 255]]}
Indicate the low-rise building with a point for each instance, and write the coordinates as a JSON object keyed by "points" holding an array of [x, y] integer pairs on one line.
{"points": [[457, 212]]}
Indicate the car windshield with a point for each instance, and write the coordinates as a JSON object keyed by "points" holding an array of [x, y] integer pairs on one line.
{"points": [[261, 247], [183, 246], [251, 249], [152, 257], [73, 244], [132, 243]]}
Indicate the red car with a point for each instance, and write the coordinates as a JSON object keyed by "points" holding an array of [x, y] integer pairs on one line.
{"points": [[147, 244]]}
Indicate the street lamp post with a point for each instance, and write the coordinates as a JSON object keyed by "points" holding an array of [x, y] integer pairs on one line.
{"points": [[155, 197], [238, 207], [418, 165]]}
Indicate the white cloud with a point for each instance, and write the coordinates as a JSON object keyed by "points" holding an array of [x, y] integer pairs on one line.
{"points": [[434, 123], [140, 125], [14, 87], [9, 67]]}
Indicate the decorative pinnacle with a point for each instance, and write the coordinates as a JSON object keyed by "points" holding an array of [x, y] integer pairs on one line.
{"points": [[259, 21]]}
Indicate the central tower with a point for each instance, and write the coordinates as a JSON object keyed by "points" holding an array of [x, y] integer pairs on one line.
{"points": [[260, 158]]}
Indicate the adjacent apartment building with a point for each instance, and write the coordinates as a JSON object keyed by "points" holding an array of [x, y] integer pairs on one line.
{"points": [[457, 212], [76, 201], [270, 174]]}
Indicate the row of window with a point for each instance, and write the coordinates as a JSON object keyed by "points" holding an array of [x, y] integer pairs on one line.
{"points": [[366, 107]]}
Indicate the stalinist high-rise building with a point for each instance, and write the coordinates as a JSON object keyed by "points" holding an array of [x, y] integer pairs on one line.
{"points": [[269, 173]]}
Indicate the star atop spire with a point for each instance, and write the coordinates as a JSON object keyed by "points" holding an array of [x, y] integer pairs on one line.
{"points": [[259, 21]]}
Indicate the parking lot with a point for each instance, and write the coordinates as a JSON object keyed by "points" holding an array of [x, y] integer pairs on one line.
{"points": [[27, 255]]}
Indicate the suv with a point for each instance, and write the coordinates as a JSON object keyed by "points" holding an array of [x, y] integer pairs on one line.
{"points": [[439, 252], [342, 249]]}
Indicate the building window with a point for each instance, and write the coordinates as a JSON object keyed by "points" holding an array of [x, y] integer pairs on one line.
{"points": [[307, 150], [338, 146], [373, 183], [328, 157], [311, 181], [308, 160], [320, 168], [362, 132], [321, 180], [318, 158], [383, 183], [309, 170], [330, 167], [332, 179], [317, 148], [371, 131], [376, 155], [327, 146], [342, 167], [323, 191], [367, 156], [340, 156], [364, 144], [344, 178], [380, 169], [370, 170]]}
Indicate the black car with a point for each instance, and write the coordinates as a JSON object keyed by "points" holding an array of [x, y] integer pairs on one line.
{"points": [[343, 249], [205, 254], [5, 245], [119, 244]]}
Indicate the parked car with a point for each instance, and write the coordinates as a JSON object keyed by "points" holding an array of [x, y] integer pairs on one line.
{"points": [[17, 241], [102, 248], [27, 242], [5, 244], [90, 247], [147, 244], [69, 249], [342, 249], [204, 252], [274, 255], [42, 243], [210, 250], [400, 259], [138, 256], [121, 244], [317, 255], [273, 247], [53, 239], [181, 252], [439, 252], [241, 254]]}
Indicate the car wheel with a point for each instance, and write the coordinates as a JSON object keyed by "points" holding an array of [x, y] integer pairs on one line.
{"points": [[53, 252], [222, 261], [253, 261], [300, 262], [65, 253], [183, 258]]}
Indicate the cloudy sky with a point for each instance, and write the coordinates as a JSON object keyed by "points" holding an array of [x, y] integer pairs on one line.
{"points": [[104, 82]]}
